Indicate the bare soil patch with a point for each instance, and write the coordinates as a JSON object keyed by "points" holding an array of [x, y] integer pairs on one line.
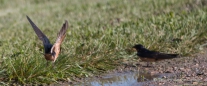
{"points": [[184, 70]]}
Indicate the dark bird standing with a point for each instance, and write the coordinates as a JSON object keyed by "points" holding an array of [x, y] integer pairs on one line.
{"points": [[51, 52], [152, 56]]}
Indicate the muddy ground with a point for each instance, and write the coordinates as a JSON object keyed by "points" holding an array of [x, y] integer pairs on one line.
{"points": [[183, 70]]}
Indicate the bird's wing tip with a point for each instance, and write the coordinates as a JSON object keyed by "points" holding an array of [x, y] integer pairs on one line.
{"points": [[66, 21], [27, 16]]}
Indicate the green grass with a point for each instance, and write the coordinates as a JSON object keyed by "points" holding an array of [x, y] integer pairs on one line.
{"points": [[100, 35]]}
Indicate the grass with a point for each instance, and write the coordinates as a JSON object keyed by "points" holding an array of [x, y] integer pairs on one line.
{"points": [[100, 35]]}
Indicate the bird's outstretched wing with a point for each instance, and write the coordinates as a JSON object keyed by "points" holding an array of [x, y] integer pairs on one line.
{"points": [[55, 50], [62, 33], [39, 33], [41, 36]]}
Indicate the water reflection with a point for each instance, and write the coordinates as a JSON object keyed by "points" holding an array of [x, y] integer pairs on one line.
{"points": [[121, 79]]}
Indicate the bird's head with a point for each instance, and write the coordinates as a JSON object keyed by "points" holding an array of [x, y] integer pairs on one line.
{"points": [[138, 47], [49, 56]]}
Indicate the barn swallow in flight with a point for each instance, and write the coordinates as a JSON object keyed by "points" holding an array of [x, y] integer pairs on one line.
{"points": [[51, 52], [152, 56]]}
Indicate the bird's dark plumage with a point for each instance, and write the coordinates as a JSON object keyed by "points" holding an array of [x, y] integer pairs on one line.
{"points": [[150, 56]]}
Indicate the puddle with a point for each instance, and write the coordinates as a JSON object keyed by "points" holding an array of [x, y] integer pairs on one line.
{"points": [[122, 79]]}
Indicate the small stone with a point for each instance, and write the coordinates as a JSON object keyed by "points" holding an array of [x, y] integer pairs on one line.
{"points": [[182, 69], [154, 72], [195, 83], [164, 77], [188, 69], [193, 75], [196, 65], [175, 68], [160, 83], [205, 80], [168, 71], [146, 69], [188, 75]]}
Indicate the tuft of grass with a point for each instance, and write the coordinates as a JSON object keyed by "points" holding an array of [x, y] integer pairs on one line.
{"points": [[99, 38]]}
